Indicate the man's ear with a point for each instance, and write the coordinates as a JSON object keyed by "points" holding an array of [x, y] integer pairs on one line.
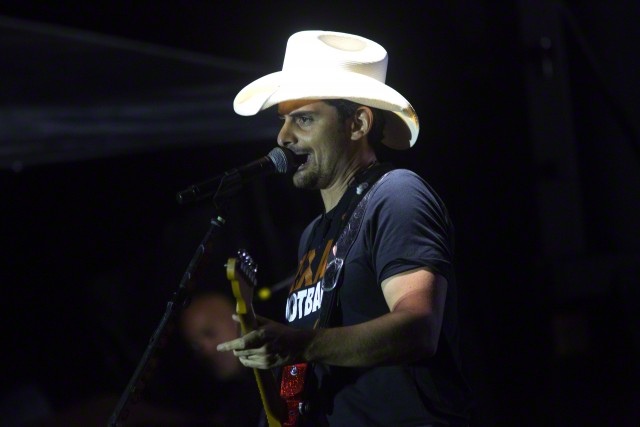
{"points": [[361, 123]]}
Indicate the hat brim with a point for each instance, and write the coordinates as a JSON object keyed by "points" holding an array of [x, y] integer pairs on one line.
{"points": [[401, 128]]}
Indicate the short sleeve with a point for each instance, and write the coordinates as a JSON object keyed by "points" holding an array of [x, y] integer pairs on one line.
{"points": [[407, 227]]}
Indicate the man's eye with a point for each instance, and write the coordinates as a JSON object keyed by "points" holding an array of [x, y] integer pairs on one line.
{"points": [[303, 120]]}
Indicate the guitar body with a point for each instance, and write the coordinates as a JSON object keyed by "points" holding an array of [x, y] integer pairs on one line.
{"points": [[291, 390]]}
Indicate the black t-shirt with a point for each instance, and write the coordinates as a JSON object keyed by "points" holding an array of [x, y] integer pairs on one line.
{"points": [[405, 226]]}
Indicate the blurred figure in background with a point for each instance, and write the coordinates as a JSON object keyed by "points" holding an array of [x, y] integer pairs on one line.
{"points": [[205, 323]]}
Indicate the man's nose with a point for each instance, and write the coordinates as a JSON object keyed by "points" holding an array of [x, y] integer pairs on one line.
{"points": [[285, 136]]}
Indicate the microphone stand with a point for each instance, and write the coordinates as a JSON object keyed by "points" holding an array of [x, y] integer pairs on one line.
{"points": [[219, 189], [180, 298]]}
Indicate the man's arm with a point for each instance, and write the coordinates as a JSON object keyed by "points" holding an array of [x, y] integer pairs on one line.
{"points": [[410, 331]]}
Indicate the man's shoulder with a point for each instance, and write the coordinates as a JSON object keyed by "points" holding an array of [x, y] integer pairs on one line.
{"points": [[403, 190], [400, 176], [401, 184]]}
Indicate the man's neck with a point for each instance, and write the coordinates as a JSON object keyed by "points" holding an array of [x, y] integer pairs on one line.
{"points": [[332, 194]]}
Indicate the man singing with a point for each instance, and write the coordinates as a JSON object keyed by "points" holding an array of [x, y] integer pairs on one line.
{"points": [[373, 306]]}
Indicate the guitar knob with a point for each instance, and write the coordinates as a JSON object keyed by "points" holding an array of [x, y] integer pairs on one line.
{"points": [[294, 371], [304, 407]]}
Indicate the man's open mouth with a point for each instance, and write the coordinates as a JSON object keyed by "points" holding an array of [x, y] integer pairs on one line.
{"points": [[302, 159]]}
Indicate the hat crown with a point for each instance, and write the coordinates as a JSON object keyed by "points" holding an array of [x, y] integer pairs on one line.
{"points": [[323, 51]]}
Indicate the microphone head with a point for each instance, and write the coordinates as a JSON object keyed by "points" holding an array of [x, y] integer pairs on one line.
{"points": [[283, 159]]}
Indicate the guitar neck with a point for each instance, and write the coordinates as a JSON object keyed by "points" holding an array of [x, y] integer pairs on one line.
{"points": [[248, 321], [274, 406]]}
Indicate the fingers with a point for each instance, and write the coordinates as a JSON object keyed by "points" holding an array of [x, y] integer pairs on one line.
{"points": [[255, 352], [231, 345], [251, 340], [258, 361], [248, 362], [262, 348]]}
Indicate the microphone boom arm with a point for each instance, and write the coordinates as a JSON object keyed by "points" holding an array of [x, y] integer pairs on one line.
{"points": [[226, 185], [279, 160]]}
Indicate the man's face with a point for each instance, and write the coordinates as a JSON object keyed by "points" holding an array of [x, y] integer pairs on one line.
{"points": [[313, 129]]}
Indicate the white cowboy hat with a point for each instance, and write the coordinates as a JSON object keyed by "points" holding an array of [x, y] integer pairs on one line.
{"points": [[330, 65]]}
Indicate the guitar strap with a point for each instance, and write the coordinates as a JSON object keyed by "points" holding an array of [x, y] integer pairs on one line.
{"points": [[332, 278]]}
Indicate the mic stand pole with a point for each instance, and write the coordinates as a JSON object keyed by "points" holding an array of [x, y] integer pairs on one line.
{"points": [[159, 338]]}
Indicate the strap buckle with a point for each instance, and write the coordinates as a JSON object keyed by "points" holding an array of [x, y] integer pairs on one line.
{"points": [[331, 274]]}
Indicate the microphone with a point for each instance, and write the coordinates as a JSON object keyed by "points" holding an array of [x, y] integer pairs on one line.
{"points": [[278, 160]]}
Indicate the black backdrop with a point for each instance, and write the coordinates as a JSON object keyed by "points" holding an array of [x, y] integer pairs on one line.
{"points": [[94, 247]]}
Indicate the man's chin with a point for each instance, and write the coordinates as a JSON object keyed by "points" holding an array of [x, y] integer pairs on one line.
{"points": [[305, 180]]}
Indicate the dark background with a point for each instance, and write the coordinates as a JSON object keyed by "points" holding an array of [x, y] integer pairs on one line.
{"points": [[529, 131]]}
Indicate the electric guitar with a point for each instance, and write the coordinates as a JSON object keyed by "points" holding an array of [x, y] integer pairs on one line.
{"points": [[282, 408]]}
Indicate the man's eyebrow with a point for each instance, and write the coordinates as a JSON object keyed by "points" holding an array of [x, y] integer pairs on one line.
{"points": [[296, 114]]}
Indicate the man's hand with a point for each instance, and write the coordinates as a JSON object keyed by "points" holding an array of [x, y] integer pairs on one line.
{"points": [[270, 345]]}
